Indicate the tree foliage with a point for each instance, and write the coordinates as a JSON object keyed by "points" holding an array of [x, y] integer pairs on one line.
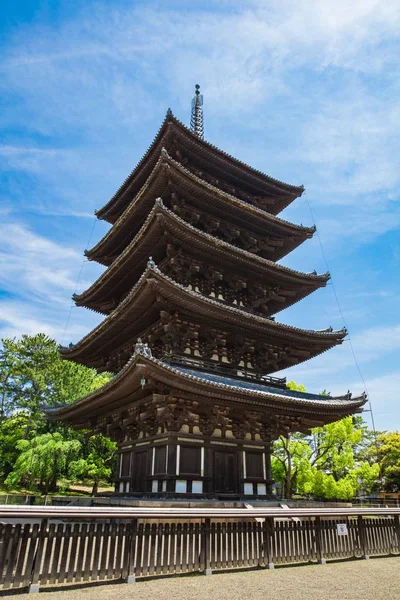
{"points": [[33, 451], [32, 374], [389, 452], [324, 464], [42, 461], [12, 430], [97, 463]]}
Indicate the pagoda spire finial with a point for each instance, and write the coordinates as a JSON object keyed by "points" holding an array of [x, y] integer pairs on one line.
{"points": [[196, 120]]}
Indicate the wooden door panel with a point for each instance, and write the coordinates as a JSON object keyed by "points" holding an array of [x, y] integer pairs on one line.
{"points": [[225, 472], [139, 471]]}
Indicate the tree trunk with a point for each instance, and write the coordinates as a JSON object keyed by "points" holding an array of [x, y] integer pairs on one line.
{"points": [[288, 486], [289, 478], [95, 488], [27, 428], [53, 481]]}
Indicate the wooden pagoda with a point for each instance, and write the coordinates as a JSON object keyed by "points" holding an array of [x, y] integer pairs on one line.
{"points": [[189, 296]]}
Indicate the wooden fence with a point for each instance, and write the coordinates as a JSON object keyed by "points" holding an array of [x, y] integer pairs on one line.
{"points": [[73, 546]]}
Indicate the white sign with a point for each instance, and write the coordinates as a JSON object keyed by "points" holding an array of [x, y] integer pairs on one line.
{"points": [[341, 528]]}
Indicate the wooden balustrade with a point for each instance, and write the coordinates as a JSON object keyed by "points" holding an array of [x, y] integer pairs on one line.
{"points": [[82, 545]]}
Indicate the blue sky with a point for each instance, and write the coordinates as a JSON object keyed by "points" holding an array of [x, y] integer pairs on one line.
{"points": [[307, 92]]}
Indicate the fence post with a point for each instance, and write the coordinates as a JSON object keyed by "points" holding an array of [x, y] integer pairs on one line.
{"points": [[207, 546], [318, 541], [37, 561], [131, 577], [397, 529], [268, 527], [362, 536]]}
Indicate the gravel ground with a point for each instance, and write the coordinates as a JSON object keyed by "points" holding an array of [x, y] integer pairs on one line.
{"points": [[374, 579]]}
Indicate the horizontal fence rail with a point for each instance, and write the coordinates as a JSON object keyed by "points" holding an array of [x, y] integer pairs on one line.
{"points": [[46, 545], [94, 512]]}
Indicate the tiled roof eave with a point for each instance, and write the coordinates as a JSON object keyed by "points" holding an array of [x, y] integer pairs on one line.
{"points": [[300, 230], [157, 367], [254, 173], [233, 162], [298, 189], [286, 331], [159, 208], [242, 203], [322, 400]]}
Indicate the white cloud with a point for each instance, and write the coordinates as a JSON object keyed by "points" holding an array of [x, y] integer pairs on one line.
{"points": [[384, 396], [240, 54], [26, 159], [368, 344], [38, 277], [36, 267], [358, 137], [107, 72], [378, 340], [17, 318], [362, 224]]}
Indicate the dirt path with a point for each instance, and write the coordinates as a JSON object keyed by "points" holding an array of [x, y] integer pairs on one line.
{"points": [[374, 579]]}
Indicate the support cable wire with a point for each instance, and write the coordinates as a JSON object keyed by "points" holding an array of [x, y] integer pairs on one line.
{"points": [[344, 321], [77, 281]]}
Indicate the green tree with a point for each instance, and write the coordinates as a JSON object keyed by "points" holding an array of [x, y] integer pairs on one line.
{"points": [[12, 430], [291, 456], [291, 462], [389, 453], [33, 374], [98, 463], [42, 461], [324, 463], [333, 447], [8, 386], [365, 449]]}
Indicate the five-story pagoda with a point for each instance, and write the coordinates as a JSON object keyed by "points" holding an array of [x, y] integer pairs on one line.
{"points": [[189, 296]]}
